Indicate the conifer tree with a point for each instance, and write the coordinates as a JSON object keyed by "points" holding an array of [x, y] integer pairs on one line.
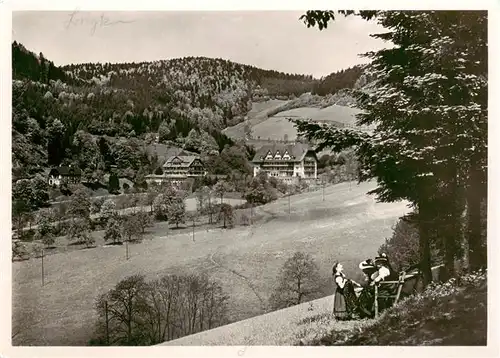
{"points": [[429, 112]]}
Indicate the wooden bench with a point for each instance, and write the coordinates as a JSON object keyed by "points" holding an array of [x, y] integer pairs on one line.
{"points": [[404, 277], [400, 282]]}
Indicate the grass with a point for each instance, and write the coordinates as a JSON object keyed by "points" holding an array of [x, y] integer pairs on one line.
{"points": [[348, 226], [257, 114], [449, 314], [277, 126]]}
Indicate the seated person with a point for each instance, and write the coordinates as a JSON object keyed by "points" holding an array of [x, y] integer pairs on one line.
{"points": [[368, 268]]}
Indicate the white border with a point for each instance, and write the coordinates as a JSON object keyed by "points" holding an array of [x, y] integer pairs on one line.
{"points": [[6, 350]]}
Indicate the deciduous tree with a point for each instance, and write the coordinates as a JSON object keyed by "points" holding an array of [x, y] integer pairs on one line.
{"points": [[299, 281]]}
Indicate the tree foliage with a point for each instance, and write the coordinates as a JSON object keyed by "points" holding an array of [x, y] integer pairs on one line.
{"points": [[429, 110], [113, 231], [299, 281], [148, 313]]}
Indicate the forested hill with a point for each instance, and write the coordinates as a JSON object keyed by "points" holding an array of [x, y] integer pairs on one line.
{"points": [[95, 115]]}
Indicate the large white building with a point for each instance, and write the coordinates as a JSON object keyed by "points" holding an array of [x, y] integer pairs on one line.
{"points": [[287, 162]]}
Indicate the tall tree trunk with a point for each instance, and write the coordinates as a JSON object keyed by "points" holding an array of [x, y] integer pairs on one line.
{"points": [[452, 233], [476, 192], [424, 241]]}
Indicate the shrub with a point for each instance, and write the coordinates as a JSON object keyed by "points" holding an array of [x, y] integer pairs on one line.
{"points": [[159, 171], [402, 248]]}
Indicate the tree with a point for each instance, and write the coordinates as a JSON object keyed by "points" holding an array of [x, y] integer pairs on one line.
{"points": [[122, 306], [79, 232], [113, 184], [131, 229], [113, 231], [176, 211], [193, 140], [160, 205], [44, 231], [299, 281], [260, 190], [159, 171], [34, 192], [97, 205], [137, 312], [108, 209], [144, 220], [150, 197], [202, 199], [164, 131], [55, 136], [226, 215], [19, 251], [80, 204], [245, 220], [221, 188], [433, 104], [140, 179], [20, 209], [40, 191]]}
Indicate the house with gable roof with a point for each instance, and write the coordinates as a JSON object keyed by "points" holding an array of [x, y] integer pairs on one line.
{"points": [[287, 162], [179, 168], [64, 175]]}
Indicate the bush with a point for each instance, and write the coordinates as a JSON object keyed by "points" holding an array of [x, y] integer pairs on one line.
{"points": [[403, 246], [159, 171]]}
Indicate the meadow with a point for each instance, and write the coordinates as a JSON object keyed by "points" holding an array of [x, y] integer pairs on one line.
{"points": [[348, 226], [277, 126]]}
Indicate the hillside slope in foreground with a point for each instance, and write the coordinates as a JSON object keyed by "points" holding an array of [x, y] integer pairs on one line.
{"points": [[347, 225], [453, 313]]}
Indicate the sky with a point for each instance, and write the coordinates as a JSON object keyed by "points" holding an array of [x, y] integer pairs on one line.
{"points": [[275, 40]]}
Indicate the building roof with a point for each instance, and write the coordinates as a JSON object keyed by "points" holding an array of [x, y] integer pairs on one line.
{"points": [[187, 160], [296, 151], [66, 171], [166, 176]]}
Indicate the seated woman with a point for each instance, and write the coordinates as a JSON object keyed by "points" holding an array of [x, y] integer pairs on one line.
{"points": [[368, 268], [345, 302], [377, 271], [384, 273]]}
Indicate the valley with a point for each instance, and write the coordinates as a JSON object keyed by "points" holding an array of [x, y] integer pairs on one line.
{"points": [[348, 225]]}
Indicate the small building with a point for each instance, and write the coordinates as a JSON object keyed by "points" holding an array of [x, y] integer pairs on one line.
{"points": [[288, 162], [64, 175]]}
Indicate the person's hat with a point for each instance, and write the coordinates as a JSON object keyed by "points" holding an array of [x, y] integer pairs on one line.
{"points": [[382, 259], [367, 264]]}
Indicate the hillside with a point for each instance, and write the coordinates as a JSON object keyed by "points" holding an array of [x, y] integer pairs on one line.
{"points": [[269, 120], [450, 314], [70, 114], [246, 260], [446, 314], [279, 125], [55, 109]]}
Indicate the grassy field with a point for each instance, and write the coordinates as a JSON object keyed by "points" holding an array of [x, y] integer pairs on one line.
{"points": [[257, 114], [277, 126], [347, 226]]}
